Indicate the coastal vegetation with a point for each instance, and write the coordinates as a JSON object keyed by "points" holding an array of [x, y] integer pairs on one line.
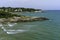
{"points": [[7, 14], [18, 9]]}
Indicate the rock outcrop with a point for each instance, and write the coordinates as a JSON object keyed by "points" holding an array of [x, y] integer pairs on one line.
{"points": [[22, 19], [10, 17]]}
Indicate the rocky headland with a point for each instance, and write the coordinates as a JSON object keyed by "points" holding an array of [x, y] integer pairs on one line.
{"points": [[9, 17]]}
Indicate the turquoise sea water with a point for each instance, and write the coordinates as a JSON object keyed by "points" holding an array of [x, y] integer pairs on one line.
{"points": [[39, 30]]}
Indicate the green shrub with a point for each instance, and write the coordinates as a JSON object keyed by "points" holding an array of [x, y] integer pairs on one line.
{"points": [[7, 14]]}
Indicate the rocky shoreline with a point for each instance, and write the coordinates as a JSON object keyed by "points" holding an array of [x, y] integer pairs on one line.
{"points": [[10, 17], [22, 19]]}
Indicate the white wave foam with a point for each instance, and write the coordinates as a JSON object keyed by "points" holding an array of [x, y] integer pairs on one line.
{"points": [[11, 32], [15, 31], [3, 28], [10, 25]]}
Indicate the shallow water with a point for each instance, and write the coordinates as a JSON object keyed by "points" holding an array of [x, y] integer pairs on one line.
{"points": [[39, 30]]}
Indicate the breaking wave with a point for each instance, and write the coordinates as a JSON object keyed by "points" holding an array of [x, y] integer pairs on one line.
{"points": [[10, 24], [15, 31]]}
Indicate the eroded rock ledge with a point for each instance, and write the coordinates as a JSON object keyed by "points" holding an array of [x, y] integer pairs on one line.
{"points": [[22, 19]]}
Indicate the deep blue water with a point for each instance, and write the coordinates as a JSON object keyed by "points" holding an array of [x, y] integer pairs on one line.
{"points": [[39, 30]]}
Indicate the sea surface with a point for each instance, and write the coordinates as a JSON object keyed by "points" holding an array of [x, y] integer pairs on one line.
{"points": [[38, 30]]}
